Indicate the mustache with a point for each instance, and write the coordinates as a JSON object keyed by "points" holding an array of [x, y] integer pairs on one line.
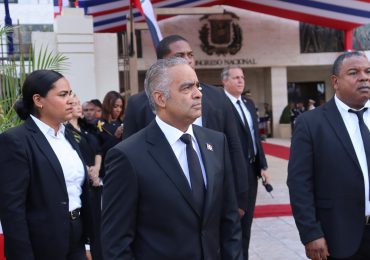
{"points": [[364, 87]]}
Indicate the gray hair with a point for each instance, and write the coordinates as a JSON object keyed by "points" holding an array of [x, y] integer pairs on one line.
{"points": [[157, 79], [226, 71]]}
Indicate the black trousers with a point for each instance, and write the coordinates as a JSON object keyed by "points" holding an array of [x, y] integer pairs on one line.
{"points": [[363, 253], [76, 242], [95, 244], [246, 221]]}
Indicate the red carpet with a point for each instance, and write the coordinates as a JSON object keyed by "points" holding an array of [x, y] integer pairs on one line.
{"points": [[276, 210], [2, 247], [275, 150]]}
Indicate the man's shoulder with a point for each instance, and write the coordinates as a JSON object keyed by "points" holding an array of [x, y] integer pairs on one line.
{"points": [[138, 97], [210, 89], [209, 133]]}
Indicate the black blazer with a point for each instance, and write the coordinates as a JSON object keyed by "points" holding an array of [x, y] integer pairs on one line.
{"points": [[243, 134], [148, 210], [325, 181], [216, 112], [33, 195]]}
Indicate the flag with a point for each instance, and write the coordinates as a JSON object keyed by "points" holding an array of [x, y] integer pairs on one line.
{"points": [[146, 9], [8, 22], [112, 15], [58, 6]]}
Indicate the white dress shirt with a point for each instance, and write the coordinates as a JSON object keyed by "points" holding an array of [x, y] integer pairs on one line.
{"points": [[247, 115], [173, 135], [72, 166], [353, 128]]}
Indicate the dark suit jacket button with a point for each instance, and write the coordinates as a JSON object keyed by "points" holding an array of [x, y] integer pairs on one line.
{"points": [[64, 203]]}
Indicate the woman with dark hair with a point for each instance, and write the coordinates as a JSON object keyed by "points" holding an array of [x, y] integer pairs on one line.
{"points": [[43, 184], [110, 126]]}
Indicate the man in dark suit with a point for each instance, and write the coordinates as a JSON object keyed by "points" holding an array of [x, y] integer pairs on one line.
{"points": [[215, 114], [329, 165], [244, 116], [156, 205]]}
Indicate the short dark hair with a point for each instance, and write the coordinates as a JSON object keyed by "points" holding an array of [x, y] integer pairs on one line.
{"points": [[163, 49], [96, 102], [38, 82], [339, 60]]}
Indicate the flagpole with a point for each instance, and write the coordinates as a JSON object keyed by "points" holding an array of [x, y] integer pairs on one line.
{"points": [[134, 82], [9, 35]]}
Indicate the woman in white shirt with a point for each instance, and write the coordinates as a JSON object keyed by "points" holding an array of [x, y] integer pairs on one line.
{"points": [[43, 184]]}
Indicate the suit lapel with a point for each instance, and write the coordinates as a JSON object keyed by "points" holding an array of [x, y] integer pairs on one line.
{"points": [[162, 153], [47, 151], [206, 149], [336, 121]]}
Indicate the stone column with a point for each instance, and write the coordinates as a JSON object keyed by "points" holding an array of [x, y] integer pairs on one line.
{"points": [[279, 94], [75, 39]]}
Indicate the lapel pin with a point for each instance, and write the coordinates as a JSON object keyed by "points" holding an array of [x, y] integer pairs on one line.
{"points": [[209, 147]]}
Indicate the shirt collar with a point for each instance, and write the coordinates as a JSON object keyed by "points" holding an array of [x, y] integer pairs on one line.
{"points": [[46, 129], [344, 107], [232, 98], [171, 133]]}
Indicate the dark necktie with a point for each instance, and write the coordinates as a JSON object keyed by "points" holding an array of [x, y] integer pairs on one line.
{"points": [[195, 172], [250, 139], [365, 134]]}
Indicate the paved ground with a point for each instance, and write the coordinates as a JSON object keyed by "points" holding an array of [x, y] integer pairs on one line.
{"points": [[275, 238]]}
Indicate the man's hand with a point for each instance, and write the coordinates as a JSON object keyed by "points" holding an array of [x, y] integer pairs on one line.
{"points": [[317, 249], [241, 212], [265, 176]]}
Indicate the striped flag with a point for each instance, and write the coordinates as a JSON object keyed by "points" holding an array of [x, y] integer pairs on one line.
{"points": [[111, 15], [146, 9]]}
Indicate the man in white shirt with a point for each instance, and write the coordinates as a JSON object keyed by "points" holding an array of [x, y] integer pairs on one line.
{"points": [[329, 165], [168, 190], [245, 119]]}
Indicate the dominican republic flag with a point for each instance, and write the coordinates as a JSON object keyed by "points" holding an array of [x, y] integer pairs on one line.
{"points": [[146, 9], [112, 15]]}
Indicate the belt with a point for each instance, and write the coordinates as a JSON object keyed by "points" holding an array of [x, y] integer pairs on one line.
{"points": [[367, 220], [74, 214]]}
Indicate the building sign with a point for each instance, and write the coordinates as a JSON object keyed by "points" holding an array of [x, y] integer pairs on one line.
{"points": [[220, 34], [225, 62]]}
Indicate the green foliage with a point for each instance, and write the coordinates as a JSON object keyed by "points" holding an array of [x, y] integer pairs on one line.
{"points": [[13, 73], [285, 116]]}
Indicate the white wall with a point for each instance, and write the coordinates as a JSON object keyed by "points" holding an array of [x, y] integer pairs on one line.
{"points": [[42, 13], [92, 58], [269, 40]]}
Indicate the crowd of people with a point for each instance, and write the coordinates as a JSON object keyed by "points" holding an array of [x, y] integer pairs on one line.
{"points": [[174, 175]]}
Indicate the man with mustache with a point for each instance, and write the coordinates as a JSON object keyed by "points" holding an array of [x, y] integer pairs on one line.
{"points": [[168, 189], [328, 172]]}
